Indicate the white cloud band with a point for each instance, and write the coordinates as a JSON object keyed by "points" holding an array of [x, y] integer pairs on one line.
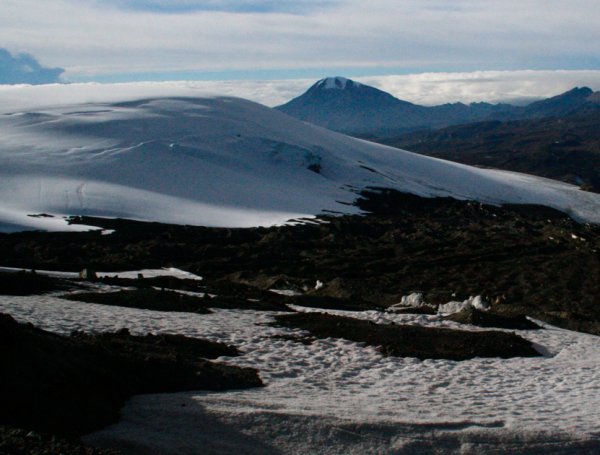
{"points": [[426, 89]]}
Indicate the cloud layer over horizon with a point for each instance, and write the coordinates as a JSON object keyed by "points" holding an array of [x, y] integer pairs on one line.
{"points": [[515, 87]]}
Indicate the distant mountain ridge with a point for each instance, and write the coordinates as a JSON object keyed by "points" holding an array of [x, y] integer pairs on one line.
{"points": [[565, 148], [349, 107]]}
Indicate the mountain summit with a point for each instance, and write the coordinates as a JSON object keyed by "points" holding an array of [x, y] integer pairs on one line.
{"points": [[336, 83], [350, 107], [347, 106], [577, 99]]}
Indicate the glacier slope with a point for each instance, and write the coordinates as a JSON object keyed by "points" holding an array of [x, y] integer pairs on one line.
{"points": [[220, 161]]}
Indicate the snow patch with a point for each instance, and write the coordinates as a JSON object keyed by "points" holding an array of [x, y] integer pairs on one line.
{"points": [[336, 396], [287, 292], [151, 273], [414, 300], [454, 307], [337, 83]]}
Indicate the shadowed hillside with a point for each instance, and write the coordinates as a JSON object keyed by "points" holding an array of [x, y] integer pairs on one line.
{"points": [[560, 148]]}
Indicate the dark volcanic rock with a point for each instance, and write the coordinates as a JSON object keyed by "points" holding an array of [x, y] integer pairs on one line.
{"points": [[147, 299], [166, 282], [412, 341], [29, 283], [18, 441], [159, 346], [538, 260], [74, 385], [479, 318], [415, 310], [226, 295]]}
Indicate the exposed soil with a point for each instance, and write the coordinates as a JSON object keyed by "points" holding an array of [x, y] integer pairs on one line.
{"points": [[171, 301], [412, 341], [169, 347], [162, 282], [75, 385], [415, 310]]}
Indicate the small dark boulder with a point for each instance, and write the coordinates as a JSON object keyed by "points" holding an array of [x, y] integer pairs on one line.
{"points": [[479, 318]]}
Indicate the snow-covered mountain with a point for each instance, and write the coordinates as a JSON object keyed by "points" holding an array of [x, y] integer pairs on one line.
{"points": [[220, 162], [348, 107]]}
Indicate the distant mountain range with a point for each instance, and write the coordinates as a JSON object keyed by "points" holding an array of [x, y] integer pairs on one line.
{"points": [[349, 107], [565, 148]]}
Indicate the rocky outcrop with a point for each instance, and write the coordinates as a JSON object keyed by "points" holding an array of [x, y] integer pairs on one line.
{"points": [[75, 385]]}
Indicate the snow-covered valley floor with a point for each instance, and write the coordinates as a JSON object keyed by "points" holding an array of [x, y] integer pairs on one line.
{"points": [[340, 397]]}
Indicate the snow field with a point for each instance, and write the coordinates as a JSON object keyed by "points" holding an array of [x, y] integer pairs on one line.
{"points": [[336, 396]]}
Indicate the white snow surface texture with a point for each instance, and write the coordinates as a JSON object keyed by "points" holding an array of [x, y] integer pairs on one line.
{"points": [[339, 397], [214, 161]]}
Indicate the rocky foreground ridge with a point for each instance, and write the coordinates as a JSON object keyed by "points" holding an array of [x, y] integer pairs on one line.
{"points": [[523, 259]]}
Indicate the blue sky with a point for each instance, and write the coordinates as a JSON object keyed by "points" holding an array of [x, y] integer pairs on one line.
{"points": [[135, 40]]}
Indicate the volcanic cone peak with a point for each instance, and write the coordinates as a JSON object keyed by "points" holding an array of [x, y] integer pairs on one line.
{"points": [[336, 83]]}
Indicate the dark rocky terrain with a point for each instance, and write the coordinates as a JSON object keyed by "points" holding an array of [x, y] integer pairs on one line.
{"points": [[70, 386], [225, 295], [30, 283], [149, 299], [18, 441], [411, 341], [523, 259]]}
